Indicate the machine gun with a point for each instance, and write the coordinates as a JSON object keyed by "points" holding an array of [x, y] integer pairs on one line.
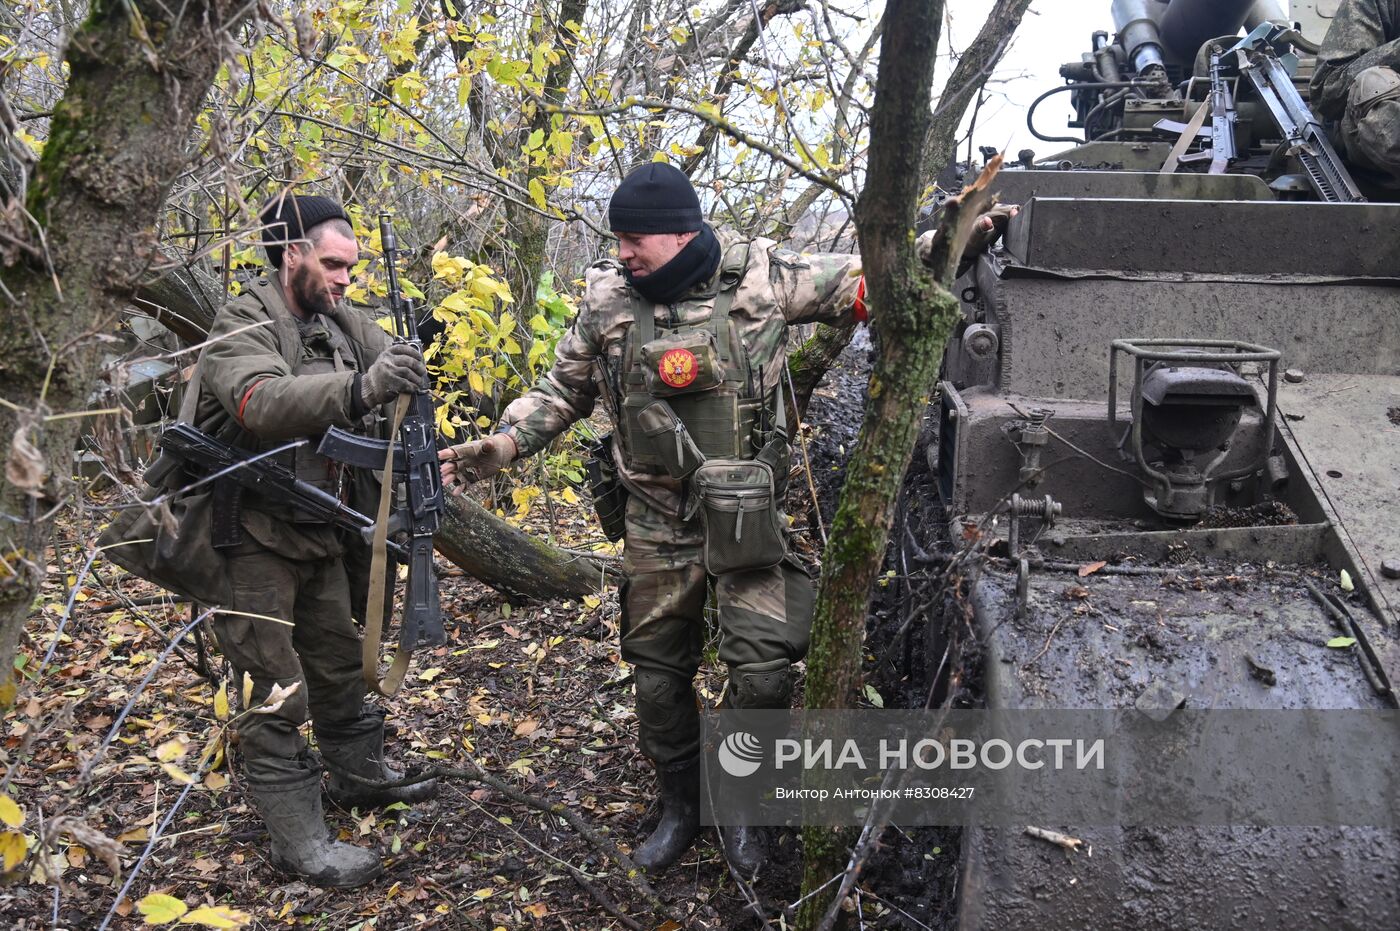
{"points": [[415, 469], [1304, 135]]}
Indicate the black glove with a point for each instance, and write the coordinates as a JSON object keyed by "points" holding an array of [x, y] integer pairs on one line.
{"points": [[398, 370]]}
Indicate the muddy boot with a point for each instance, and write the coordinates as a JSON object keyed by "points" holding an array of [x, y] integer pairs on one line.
{"points": [[745, 847], [680, 816], [358, 750], [301, 843]]}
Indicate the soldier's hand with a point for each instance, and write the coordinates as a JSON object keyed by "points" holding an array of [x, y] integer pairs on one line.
{"points": [[989, 228], [985, 231], [475, 461], [398, 370]]}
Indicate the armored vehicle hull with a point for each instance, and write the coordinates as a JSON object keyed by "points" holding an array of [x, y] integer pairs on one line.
{"points": [[1173, 409]]}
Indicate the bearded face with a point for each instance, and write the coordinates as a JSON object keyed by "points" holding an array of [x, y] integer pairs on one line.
{"points": [[317, 271], [311, 291]]}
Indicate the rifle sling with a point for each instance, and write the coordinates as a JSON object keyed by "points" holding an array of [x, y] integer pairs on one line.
{"points": [[1188, 135], [374, 608]]}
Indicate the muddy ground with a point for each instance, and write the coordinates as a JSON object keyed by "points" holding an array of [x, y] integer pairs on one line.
{"points": [[535, 693]]}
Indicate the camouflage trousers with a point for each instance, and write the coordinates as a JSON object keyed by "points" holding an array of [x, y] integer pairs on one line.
{"points": [[305, 635], [765, 618], [1371, 124]]}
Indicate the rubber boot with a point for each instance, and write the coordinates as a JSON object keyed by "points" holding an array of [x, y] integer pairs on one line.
{"points": [[358, 750], [680, 816], [301, 844], [745, 847], [753, 686]]}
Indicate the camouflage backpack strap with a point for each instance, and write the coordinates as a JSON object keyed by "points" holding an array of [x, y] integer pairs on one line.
{"points": [[732, 267]]}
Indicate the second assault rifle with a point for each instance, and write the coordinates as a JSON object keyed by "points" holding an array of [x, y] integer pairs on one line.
{"points": [[415, 471], [232, 469]]}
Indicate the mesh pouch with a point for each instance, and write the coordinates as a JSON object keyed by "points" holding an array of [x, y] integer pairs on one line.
{"points": [[739, 511]]}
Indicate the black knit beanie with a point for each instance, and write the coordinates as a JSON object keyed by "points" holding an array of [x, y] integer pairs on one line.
{"points": [[287, 218], [656, 198]]}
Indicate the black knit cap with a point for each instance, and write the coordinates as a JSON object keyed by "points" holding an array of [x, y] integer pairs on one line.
{"points": [[287, 218], [656, 198]]}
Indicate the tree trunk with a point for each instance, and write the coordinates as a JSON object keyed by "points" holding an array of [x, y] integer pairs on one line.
{"points": [[510, 560], [915, 315], [809, 362], [139, 71]]}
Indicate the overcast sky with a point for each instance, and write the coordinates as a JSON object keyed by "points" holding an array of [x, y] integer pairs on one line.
{"points": [[1053, 32]]}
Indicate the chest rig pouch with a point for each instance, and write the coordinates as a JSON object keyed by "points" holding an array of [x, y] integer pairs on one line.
{"points": [[689, 409], [701, 369]]}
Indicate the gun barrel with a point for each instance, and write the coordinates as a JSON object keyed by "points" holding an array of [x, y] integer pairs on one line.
{"points": [[390, 245], [1189, 24]]}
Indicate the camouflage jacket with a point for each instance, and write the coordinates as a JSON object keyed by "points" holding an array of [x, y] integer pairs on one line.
{"points": [[1364, 34], [779, 287]]}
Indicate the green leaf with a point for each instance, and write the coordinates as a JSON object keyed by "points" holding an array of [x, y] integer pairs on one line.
{"points": [[1341, 643], [873, 697], [1347, 584], [160, 909]]}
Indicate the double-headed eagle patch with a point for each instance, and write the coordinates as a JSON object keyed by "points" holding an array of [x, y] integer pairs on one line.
{"points": [[678, 367]]}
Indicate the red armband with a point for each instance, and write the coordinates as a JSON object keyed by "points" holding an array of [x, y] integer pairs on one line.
{"points": [[247, 396], [862, 313]]}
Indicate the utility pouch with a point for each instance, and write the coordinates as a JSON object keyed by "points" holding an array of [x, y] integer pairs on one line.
{"points": [[669, 439], [681, 363], [609, 494], [739, 511]]}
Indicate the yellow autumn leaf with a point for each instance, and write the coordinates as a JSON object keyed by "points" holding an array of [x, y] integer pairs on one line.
{"points": [[217, 916], [221, 702], [13, 847], [537, 193], [159, 909], [247, 690], [477, 385], [176, 773], [172, 749], [10, 813], [215, 781]]}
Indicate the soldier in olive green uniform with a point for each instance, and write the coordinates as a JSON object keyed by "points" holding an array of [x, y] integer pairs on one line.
{"points": [[696, 319], [1357, 85], [287, 359]]}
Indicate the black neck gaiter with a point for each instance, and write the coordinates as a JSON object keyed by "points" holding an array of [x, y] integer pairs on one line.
{"points": [[693, 264]]}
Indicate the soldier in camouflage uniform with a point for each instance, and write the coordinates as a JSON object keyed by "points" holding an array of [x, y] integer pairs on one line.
{"points": [[1357, 86], [287, 359], [691, 281]]}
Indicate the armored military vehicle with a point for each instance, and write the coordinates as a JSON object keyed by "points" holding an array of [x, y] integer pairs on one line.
{"points": [[1175, 402]]}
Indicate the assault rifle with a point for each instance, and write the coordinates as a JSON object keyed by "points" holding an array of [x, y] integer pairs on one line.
{"points": [[233, 470], [415, 466]]}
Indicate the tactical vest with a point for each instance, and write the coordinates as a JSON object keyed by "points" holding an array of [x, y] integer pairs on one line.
{"points": [[702, 370]]}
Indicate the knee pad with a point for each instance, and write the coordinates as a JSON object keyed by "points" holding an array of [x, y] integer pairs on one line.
{"points": [[761, 685], [662, 697], [1372, 86]]}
